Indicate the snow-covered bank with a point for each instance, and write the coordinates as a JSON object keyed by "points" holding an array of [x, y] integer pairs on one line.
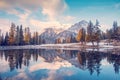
{"points": [[78, 45], [67, 46]]}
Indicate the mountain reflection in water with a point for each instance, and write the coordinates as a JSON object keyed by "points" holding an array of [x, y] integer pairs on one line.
{"points": [[43, 64]]}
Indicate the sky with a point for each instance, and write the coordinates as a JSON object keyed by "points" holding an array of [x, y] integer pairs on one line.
{"points": [[41, 14]]}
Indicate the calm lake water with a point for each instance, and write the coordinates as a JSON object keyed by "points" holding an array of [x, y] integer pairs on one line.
{"points": [[59, 65]]}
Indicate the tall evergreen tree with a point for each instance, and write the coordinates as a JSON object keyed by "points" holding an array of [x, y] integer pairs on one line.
{"points": [[0, 37], [2, 40], [17, 37], [27, 36], [6, 39], [93, 32], [90, 28], [12, 34], [115, 30], [115, 26], [21, 38], [97, 32], [90, 32], [36, 38], [81, 35]]}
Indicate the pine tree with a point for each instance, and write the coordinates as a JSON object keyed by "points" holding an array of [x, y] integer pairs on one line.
{"points": [[17, 37], [34, 36], [118, 32], [90, 28], [81, 35], [115, 26], [21, 38], [2, 40], [27, 36], [40, 40], [6, 39], [0, 37], [109, 35], [97, 32], [37, 38], [89, 36], [115, 30], [12, 34]]}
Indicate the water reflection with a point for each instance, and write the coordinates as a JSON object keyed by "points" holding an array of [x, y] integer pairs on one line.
{"points": [[35, 60]]}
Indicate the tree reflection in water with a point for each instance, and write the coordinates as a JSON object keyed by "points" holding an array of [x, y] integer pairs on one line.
{"points": [[84, 60]]}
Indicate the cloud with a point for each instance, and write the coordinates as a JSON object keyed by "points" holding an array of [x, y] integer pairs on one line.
{"points": [[54, 75], [68, 19], [51, 66], [4, 66], [20, 76], [4, 25], [105, 63], [53, 8], [23, 17], [27, 4], [41, 25], [53, 11], [50, 8], [13, 11]]}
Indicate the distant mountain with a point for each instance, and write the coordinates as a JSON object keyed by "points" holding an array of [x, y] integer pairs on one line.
{"points": [[51, 35], [76, 27], [73, 30], [65, 34], [48, 36]]}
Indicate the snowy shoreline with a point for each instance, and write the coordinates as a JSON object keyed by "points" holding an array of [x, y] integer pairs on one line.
{"points": [[68, 46]]}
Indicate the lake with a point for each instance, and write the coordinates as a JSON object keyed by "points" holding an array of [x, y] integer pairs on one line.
{"points": [[50, 64]]}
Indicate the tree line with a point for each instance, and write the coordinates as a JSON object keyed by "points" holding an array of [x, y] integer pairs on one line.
{"points": [[19, 36], [113, 33], [94, 33]]}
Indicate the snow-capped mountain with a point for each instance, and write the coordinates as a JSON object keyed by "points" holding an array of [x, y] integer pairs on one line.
{"points": [[65, 34], [76, 27], [48, 36], [51, 35], [73, 30]]}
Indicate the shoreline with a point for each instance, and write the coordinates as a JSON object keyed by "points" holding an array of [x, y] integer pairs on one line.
{"points": [[76, 46]]}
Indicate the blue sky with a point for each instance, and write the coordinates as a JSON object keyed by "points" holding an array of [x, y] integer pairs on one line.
{"points": [[41, 14]]}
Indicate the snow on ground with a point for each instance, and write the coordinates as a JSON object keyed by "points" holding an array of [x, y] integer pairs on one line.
{"points": [[67, 46], [102, 44]]}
